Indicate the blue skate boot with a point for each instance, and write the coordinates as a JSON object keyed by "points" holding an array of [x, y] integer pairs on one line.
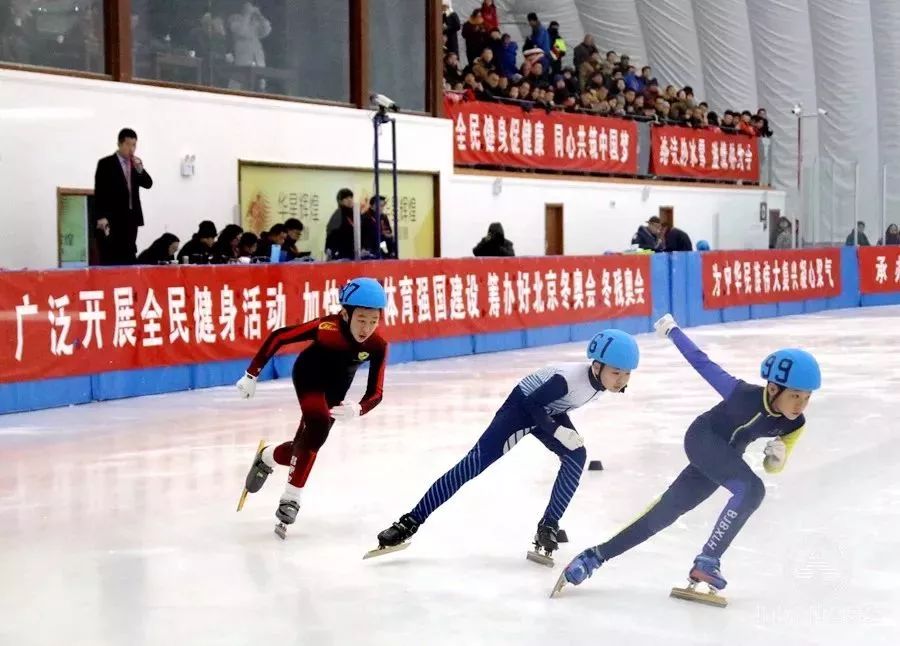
{"points": [[579, 570], [706, 570]]}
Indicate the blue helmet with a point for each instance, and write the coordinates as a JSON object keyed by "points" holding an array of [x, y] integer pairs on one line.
{"points": [[364, 292], [792, 368], [702, 245], [614, 348]]}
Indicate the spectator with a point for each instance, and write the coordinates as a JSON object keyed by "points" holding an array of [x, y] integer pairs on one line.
{"points": [[713, 120], [209, 40], [764, 131], [451, 29], [226, 247], [272, 238], [745, 126], [507, 59], [785, 238], [369, 232], [293, 228], [199, 248], [484, 64], [452, 73], [489, 14], [339, 244], [612, 58], [540, 38], [891, 236], [492, 86], [861, 239], [161, 251], [248, 29], [494, 243], [247, 245], [648, 236], [117, 201], [344, 199], [585, 51], [677, 240], [558, 48], [474, 34]]}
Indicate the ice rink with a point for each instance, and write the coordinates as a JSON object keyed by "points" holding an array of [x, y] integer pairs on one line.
{"points": [[118, 522]]}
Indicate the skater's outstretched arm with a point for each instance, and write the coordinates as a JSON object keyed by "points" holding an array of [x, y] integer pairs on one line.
{"points": [[554, 388], [774, 464], [712, 372], [282, 336], [375, 385]]}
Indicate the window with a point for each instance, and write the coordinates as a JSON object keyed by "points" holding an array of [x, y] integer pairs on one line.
{"points": [[397, 54], [66, 34], [295, 48]]}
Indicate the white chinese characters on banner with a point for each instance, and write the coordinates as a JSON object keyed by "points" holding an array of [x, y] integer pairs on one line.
{"points": [[765, 277], [60, 323], [126, 323], [690, 151]]}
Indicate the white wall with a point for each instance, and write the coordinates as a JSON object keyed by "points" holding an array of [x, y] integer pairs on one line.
{"points": [[598, 216], [54, 128]]}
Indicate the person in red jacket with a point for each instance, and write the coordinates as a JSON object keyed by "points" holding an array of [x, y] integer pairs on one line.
{"points": [[322, 375], [489, 13]]}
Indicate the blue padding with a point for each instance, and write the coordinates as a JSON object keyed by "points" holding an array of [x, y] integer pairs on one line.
{"points": [[766, 311], [815, 305], [400, 352], [586, 331], [451, 346], [678, 287], [633, 324], [849, 281], [547, 335], [283, 364], [660, 269], [47, 393], [696, 314], [134, 383], [790, 309], [499, 341], [874, 300], [737, 313], [217, 373]]}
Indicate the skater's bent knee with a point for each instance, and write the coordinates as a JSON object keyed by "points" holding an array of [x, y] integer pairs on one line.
{"points": [[750, 490], [579, 455]]}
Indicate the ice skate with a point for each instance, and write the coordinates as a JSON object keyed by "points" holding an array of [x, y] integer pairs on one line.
{"points": [[257, 475], [579, 570], [396, 537], [706, 570], [546, 541], [287, 514]]}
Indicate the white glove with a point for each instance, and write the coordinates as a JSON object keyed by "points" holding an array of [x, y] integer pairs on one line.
{"points": [[246, 386], [776, 450], [665, 325], [346, 410], [569, 438]]}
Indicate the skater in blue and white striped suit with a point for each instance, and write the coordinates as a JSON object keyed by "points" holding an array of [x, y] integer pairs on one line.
{"points": [[538, 406]]}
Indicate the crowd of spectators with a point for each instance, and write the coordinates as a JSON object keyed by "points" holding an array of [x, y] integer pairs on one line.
{"points": [[585, 81]]}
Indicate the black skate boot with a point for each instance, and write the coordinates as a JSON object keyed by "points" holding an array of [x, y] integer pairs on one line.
{"points": [[287, 514], [257, 475], [545, 543], [395, 537]]}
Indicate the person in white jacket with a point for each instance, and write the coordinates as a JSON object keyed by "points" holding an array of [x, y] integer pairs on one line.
{"points": [[248, 29]]}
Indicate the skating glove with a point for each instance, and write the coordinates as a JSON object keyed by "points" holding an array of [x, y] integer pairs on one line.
{"points": [[776, 451], [345, 410], [665, 325], [246, 386], [569, 438]]}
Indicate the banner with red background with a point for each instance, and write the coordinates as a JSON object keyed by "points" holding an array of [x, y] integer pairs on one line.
{"points": [[64, 323], [703, 154], [758, 277], [493, 134], [879, 269]]}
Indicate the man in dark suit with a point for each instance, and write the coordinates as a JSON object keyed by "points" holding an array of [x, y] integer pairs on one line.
{"points": [[117, 201]]}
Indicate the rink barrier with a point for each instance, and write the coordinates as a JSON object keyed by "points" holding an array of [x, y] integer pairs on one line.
{"points": [[676, 287]]}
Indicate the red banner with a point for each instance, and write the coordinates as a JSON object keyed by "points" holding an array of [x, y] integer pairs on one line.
{"points": [[879, 269], [494, 134], [62, 323], [757, 277], [703, 154]]}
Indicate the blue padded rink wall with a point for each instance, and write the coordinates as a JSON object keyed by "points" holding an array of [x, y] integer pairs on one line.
{"points": [[118, 521]]}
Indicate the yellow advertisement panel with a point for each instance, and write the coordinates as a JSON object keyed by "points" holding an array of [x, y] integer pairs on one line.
{"points": [[272, 193]]}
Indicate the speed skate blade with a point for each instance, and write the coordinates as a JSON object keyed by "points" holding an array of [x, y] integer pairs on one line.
{"points": [[281, 530], [709, 598], [560, 584], [543, 559], [259, 447], [381, 551]]}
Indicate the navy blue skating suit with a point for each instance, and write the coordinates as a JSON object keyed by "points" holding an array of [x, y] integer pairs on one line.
{"points": [[715, 443], [538, 406]]}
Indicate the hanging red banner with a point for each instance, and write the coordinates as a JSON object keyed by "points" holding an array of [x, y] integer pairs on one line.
{"points": [[758, 277], [62, 323], [879, 269], [703, 154], [493, 134]]}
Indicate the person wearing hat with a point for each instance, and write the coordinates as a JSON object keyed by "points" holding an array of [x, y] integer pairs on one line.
{"points": [[647, 236], [199, 247]]}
